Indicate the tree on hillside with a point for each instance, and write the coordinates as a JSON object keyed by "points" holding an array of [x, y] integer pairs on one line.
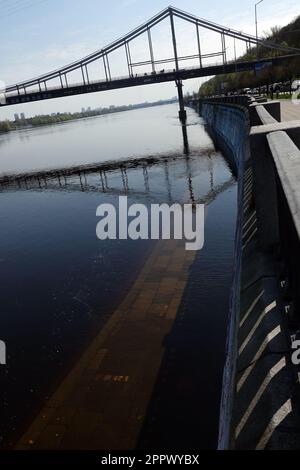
{"points": [[5, 126], [287, 36]]}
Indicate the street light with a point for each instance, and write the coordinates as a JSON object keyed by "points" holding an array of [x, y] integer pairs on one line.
{"points": [[256, 25]]}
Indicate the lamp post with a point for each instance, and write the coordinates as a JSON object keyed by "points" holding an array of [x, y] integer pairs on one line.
{"points": [[256, 23], [256, 28]]}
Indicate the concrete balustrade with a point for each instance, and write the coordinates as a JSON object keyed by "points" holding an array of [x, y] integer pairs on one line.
{"points": [[263, 315], [286, 156], [267, 113]]}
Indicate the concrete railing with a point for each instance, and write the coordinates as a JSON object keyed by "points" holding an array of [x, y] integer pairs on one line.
{"points": [[264, 113], [255, 136], [286, 156], [275, 151]]}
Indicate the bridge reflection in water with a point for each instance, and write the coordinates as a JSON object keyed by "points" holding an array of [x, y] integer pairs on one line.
{"points": [[143, 382], [124, 177]]}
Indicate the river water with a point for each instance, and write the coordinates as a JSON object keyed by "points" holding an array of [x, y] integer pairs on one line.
{"points": [[59, 284]]}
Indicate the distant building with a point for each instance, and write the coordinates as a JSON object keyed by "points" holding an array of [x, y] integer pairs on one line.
{"points": [[22, 115], [17, 117], [83, 110], [88, 109]]}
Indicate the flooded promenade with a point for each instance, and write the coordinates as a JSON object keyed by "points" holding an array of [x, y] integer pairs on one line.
{"points": [[117, 343]]}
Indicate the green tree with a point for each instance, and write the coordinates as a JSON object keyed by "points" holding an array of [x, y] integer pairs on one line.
{"points": [[5, 126]]}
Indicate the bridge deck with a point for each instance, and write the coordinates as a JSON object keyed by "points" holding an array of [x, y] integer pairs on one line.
{"points": [[13, 97]]}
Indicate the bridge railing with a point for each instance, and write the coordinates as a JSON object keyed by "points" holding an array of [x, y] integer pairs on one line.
{"points": [[41, 88], [241, 100]]}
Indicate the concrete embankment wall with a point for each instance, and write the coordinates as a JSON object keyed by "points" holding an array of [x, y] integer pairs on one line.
{"points": [[260, 405], [229, 127]]}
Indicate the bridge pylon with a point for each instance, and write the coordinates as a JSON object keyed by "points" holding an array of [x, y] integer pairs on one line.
{"points": [[182, 111]]}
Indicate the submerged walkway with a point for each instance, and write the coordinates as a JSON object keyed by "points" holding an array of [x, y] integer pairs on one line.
{"points": [[103, 401]]}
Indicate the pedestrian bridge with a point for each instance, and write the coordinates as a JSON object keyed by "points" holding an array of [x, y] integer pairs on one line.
{"points": [[212, 50]]}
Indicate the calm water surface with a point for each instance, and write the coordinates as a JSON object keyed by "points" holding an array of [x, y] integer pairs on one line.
{"points": [[59, 284]]}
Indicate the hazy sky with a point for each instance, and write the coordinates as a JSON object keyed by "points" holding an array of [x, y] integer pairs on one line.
{"points": [[37, 36]]}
